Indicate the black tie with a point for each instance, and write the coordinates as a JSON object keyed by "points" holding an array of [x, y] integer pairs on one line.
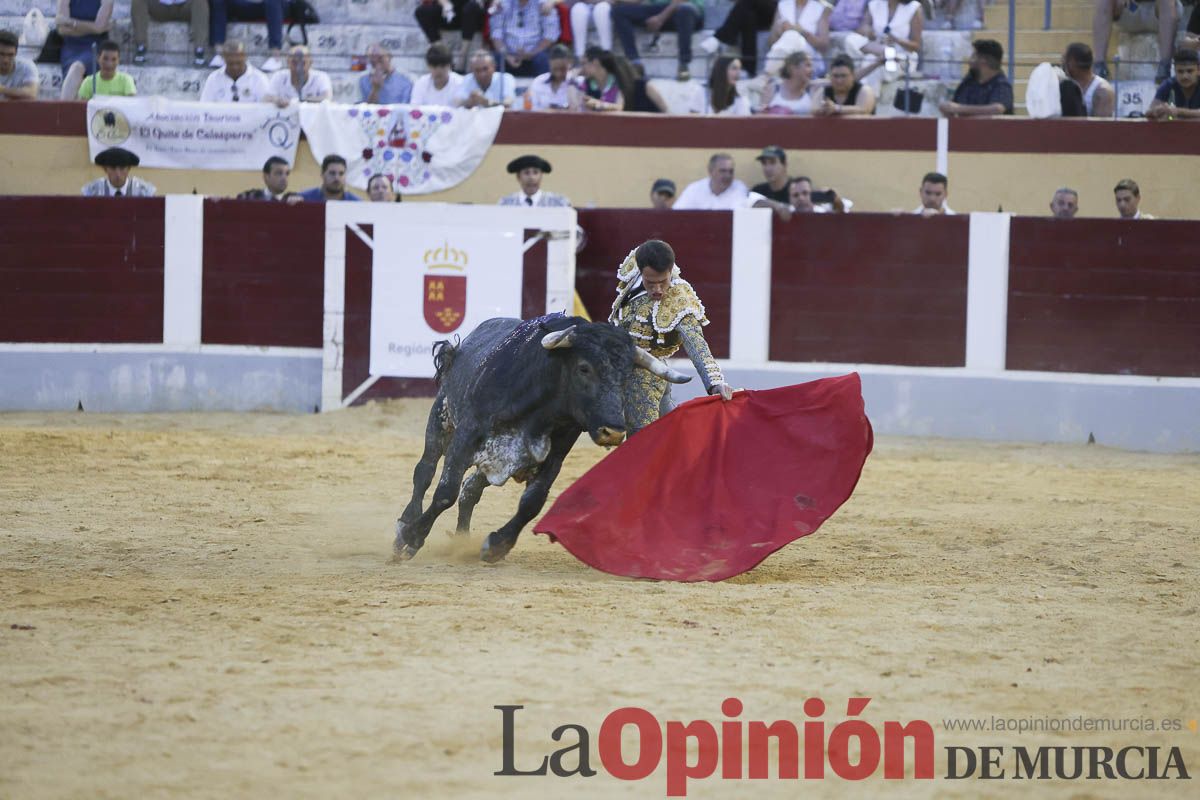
{"points": [[528, 200], [117, 193]]}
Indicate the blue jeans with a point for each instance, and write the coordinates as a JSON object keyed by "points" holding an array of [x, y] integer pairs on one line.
{"points": [[683, 21], [530, 67], [246, 11]]}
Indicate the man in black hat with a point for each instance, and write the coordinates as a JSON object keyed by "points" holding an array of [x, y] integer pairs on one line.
{"points": [[529, 171], [662, 194], [117, 162]]}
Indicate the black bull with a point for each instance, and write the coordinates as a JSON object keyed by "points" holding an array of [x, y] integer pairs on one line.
{"points": [[512, 399]]}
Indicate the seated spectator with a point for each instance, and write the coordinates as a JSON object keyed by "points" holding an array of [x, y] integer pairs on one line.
{"points": [[889, 37], [529, 171], [108, 81], [18, 76], [773, 160], [384, 84], [1098, 96], [379, 190], [847, 15], [845, 96], [1156, 16], [117, 161], [1065, 203], [949, 13], [662, 194], [483, 88], [985, 92], [792, 92], [275, 174], [800, 26], [333, 182], [435, 16], [646, 99], [935, 188], [604, 82], [740, 30], [299, 81], [1128, 197], [249, 11], [682, 16], [438, 86], [721, 97], [720, 191], [599, 12], [1178, 97], [807, 200], [194, 12], [551, 91], [83, 24], [237, 81], [522, 36]]}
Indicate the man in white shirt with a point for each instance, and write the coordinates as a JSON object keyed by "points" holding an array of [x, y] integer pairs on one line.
{"points": [[483, 88], [438, 86], [1129, 197], [237, 81], [550, 91], [117, 161], [299, 81], [935, 188], [720, 191]]}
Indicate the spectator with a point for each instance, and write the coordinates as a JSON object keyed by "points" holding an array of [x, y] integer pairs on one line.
{"points": [[845, 96], [799, 26], [889, 28], [722, 98], [791, 93], [275, 174], [740, 30], [117, 161], [249, 11], [1178, 97], [1065, 203], [299, 81], [1128, 197], [720, 191], [1098, 96], [237, 81], [438, 86], [333, 182], [1156, 16], [83, 24], [483, 88], [985, 92], [18, 76], [646, 99], [522, 36], [435, 16], [600, 14], [935, 188], [194, 12], [379, 190], [383, 85], [551, 91], [662, 194], [529, 171], [811, 201], [682, 16], [108, 81], [774, 167], [949, 13], [604, 82], [847, 15]]}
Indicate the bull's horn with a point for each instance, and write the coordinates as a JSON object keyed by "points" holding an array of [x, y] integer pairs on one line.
{"points": [[564, 338], [643, 359]]}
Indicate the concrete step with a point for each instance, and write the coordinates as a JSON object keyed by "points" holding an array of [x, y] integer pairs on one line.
{"points": [[1076, 16]]}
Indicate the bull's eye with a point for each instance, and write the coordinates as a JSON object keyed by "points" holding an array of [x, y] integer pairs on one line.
{"points": [[585, 369]]}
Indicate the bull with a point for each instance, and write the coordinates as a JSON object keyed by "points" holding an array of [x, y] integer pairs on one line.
{"points": [[512, 399]]}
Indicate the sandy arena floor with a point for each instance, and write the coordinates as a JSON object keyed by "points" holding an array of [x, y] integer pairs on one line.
{"points": [[211, 613]]}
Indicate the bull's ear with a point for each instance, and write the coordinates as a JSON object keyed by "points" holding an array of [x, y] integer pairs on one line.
{"points": [[564, 338], [643, 359]]}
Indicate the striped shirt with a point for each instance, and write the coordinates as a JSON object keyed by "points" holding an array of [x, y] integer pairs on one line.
{"points": [[521, 26]]}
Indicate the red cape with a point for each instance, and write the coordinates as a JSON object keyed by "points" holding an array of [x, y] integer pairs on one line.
{"points": [[714, 487]]}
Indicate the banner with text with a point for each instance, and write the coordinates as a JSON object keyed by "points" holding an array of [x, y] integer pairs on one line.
{"points": [[174, 134], [434, 283], [423, 149]]}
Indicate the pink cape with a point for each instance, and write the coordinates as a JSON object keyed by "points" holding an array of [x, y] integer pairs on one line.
{"points": [[714, 487]]}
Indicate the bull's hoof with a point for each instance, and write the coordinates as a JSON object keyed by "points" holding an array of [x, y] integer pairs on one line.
{"points": [[402, 553], [494, 548]]}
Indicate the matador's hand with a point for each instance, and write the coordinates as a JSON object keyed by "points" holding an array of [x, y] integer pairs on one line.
{"points": [[723, 389]]}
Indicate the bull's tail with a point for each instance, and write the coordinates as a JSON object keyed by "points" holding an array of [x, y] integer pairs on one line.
{"points": [[444, 353]]}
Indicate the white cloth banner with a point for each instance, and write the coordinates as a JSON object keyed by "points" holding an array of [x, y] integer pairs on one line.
{"points": [[184, 135], [423, 149], [431, 283]]}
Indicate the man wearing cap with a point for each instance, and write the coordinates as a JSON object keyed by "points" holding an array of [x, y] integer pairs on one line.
{"points": [[662, 194], [529, 171], [774, 166], [117, 162]]}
